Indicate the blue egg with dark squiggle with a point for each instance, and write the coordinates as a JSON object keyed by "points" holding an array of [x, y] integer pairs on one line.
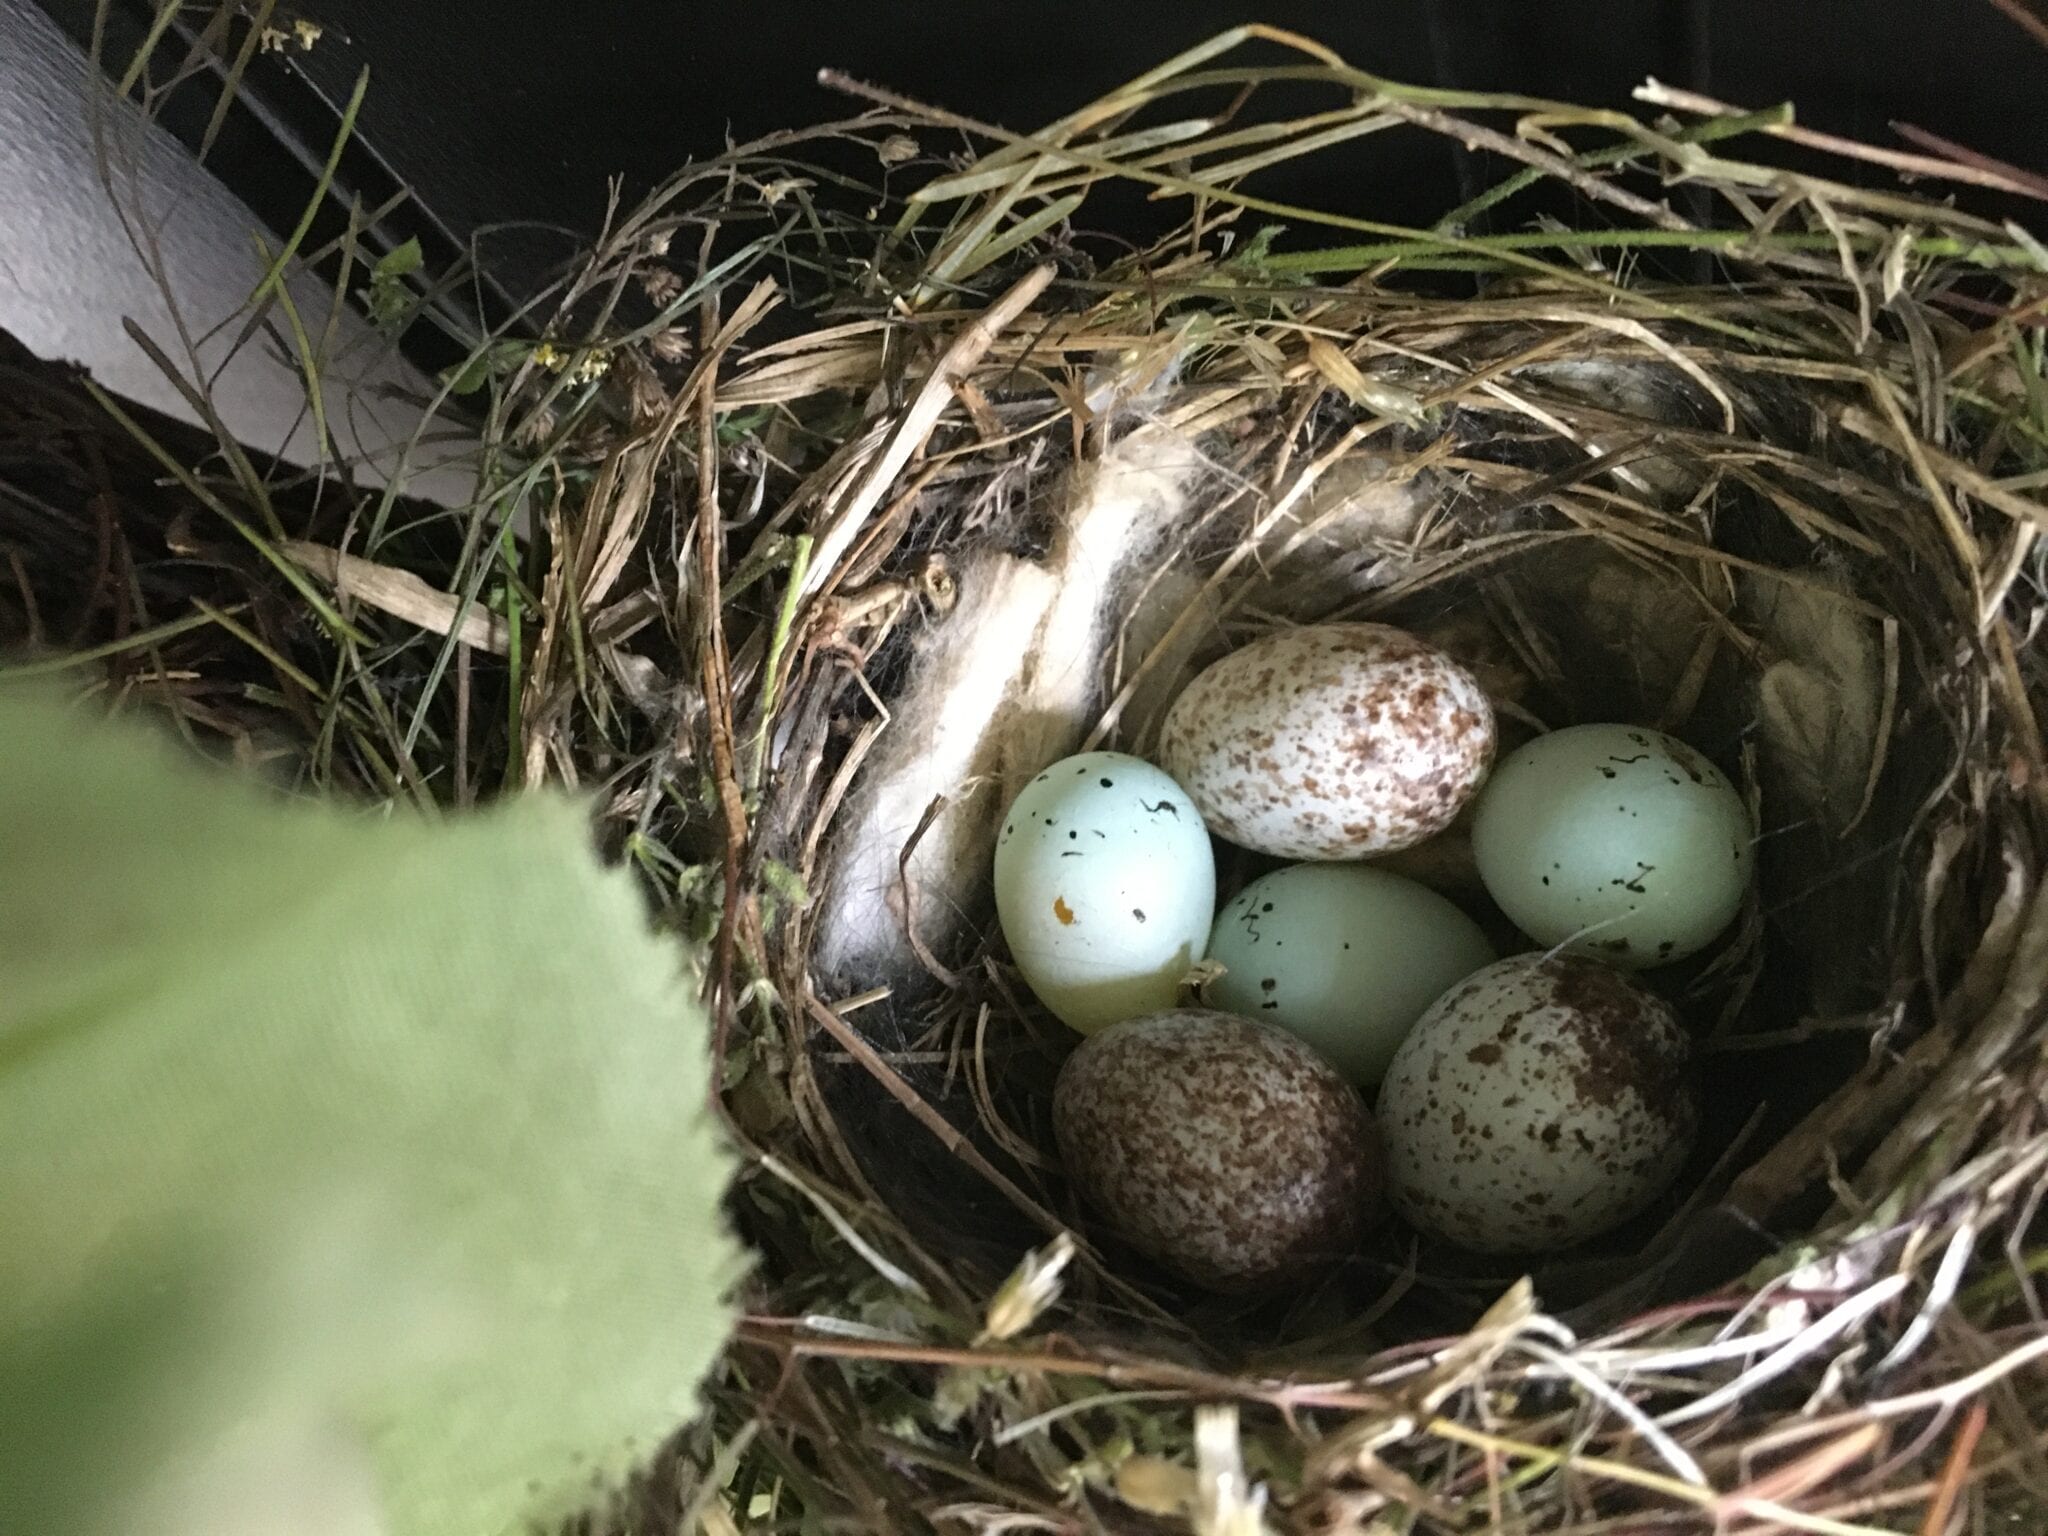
{"points": [[1614, 841]]}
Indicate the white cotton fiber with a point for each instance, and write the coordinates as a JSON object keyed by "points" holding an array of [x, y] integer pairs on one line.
{"points": [[1007, 682]]}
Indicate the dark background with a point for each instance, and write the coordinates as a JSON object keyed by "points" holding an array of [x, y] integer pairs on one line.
{"points": [[500, 111], [522, 109]]}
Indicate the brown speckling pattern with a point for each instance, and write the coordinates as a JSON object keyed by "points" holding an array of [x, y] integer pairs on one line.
{"points": [[1538, 1103], [1333, 741], [1229, 1151]]}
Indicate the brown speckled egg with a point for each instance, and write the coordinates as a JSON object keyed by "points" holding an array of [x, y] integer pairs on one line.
{"points": [[1537, 1103], [1225, 1148], [1335, 741]]}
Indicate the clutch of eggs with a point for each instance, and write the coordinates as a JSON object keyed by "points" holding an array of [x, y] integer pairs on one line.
{"points": [[1526, 1104]]}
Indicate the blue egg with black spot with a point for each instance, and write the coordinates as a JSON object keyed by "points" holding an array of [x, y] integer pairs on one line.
{"points": [[1342, 956], [1105, 886], [1617, 842]]}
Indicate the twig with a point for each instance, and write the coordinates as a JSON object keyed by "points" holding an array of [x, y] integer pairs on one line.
{"points": [[1955, 1471], [403, 595], [916, 424], [716, 680], [2034, 25], [1962, 154], [949, 1136], [1657, 94]]}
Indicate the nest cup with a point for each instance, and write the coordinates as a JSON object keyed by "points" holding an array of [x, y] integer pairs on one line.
{"points": [[830, 538], [1774, 547], [1655, 528], [1690, 541], [1615, 538]]}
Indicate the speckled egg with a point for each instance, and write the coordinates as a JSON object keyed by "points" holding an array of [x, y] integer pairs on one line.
{"points": [[1616, 841], [1538, 1103], [1225, 1148], [1334, 741], [1343, 956], [1105, 887]]}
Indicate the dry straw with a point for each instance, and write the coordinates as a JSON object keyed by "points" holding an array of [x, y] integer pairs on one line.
{"points": [[1751, 448]]}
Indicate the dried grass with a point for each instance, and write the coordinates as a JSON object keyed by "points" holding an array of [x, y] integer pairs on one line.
{"points": [[789, 390]]}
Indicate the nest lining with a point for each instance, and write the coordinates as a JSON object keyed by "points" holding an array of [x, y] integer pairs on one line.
{"points": [[994, 500]]}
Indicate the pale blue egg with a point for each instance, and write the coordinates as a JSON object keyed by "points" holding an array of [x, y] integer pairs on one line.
{"points": [[1616, 841], [1105, 885], [1342, 956]]}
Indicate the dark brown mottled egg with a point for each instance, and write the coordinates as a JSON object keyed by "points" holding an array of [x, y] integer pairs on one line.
{"points": [[1225, 1148], [1538, 1103], [1334, 741]]}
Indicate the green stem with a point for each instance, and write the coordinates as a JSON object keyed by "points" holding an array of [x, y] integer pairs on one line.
{"points": [[141, 640]]}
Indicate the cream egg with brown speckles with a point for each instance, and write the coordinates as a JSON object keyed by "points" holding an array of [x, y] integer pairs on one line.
{"points": [[1224, 1148], [1540, 1102], [1333, 741]]}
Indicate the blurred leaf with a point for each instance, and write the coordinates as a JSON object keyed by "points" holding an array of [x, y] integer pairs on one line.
{"points": [[361, 1132], [495, 361], [389, 297], [400, 261], [738, 426]]}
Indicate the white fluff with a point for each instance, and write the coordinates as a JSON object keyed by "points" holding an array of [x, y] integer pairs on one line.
{"points": [[1005, 684]]}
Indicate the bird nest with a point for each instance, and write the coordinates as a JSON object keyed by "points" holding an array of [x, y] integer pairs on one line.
{"points": [[850, 484]]}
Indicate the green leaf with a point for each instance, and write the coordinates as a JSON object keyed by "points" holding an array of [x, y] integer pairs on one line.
{"points": [[389, 297], [333, 1138], [737, 426], [472, 376], [494, 361], [400, 261]]}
